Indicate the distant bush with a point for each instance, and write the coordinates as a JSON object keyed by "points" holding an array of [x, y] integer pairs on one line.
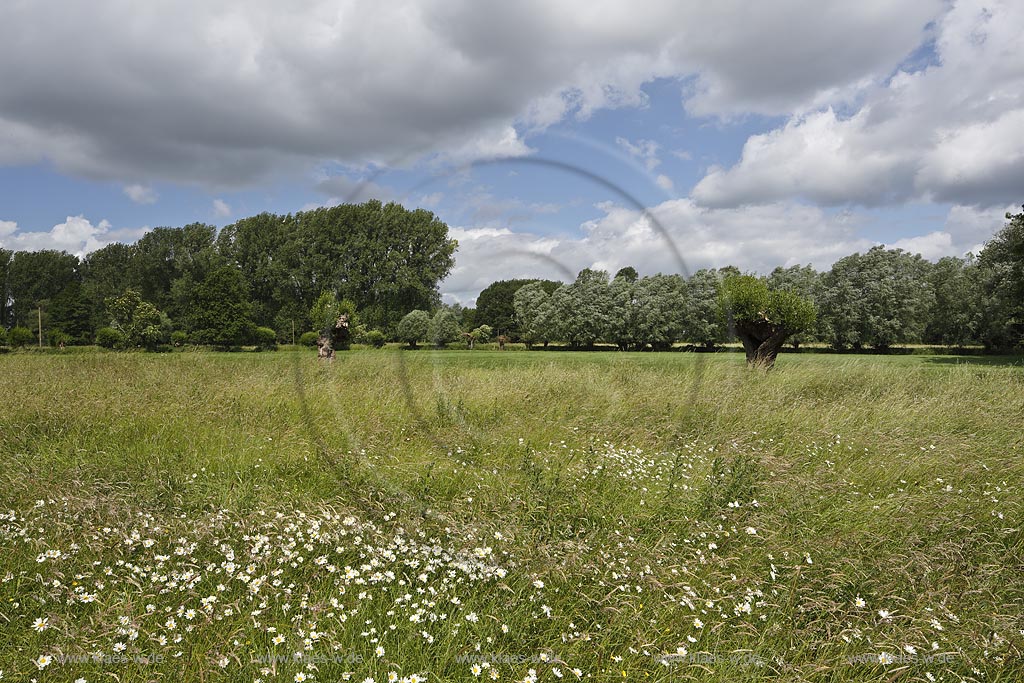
{"points": [[443, 328], [109, 338], [179, 338], [413, 327], [375, 338], [20, 336], [265, 338], [308, 339], [57, 338], [3, 337]]}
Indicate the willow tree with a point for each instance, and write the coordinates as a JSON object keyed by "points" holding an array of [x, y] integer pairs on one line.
{"points": [[761, 318]]}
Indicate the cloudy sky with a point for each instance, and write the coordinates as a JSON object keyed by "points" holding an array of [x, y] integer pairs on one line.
{"points": [[550, 136]]}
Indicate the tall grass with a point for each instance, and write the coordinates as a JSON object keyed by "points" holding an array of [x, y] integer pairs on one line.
{"points": [[840, 518]]}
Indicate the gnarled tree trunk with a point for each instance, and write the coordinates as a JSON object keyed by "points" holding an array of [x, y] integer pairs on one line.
{"points": [[762, 341]]}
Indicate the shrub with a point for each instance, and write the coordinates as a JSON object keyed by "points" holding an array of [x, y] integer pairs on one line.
{"points": [[265, 338], [57, 337], [20, 336], [413, 327], [308, 339], [109, 338], [376, 339], [357, 334], [137, 321], [179, 338], [3, 337], [443, 328]]}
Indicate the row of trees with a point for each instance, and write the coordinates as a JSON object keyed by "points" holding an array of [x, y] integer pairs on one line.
{"points": [[220, 288], [270, 277], [878, 299]]}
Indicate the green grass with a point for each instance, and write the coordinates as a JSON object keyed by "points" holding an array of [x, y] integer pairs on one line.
{"points": [[624, 483]]}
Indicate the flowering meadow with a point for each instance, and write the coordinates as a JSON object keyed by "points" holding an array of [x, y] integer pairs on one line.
{"points": [[509, 516]]}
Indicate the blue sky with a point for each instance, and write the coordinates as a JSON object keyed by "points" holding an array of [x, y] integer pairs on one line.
{"points": [[756, 135]]}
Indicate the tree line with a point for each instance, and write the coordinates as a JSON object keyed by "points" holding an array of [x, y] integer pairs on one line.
{"points": [[270, 278], [262, 273], [877, 299]]}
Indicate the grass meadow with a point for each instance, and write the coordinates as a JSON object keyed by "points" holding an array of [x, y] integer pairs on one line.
{"points": [[459, 516]]}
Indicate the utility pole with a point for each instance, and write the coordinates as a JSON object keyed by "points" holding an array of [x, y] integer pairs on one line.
{"points": [[40, 309]]}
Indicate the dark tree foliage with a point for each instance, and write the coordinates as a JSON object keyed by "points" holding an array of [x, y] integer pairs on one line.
{"points": [[953, 318], [628, 273], [70, 314], [1001, 281], [218, 309], [494, 305], [34, 278], [106, 272], [165, 255], [385, 258], [6, 314]]}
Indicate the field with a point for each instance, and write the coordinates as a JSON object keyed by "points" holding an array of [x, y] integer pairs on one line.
{"points": [[442, 516]]}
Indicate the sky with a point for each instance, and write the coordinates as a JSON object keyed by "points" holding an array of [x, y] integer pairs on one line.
{"points": [[549, 136]]}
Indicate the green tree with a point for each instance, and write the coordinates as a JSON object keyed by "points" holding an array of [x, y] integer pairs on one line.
{"points": [[218, 309], [326, 314], [6, 314], [804, 281], [954, 316], [628, 273], [443, 328], [879, 299], [70, 314], [165, 255], [20, 336], [269, 250], [106, 273], [660, 302], [763, 318], [701, 321], [479, 334], [623, 311], [412, 329], [137, 321], [1001, 280], [325, 311], [376, 339], [495, 305], [645, 312], [109, 338], [265, 338], [530, 303], [584, 307], [383, 257], [34, 278]]}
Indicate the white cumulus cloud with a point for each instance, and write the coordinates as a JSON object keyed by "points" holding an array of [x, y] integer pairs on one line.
{"points": [[76, 235], [951, 132]]}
